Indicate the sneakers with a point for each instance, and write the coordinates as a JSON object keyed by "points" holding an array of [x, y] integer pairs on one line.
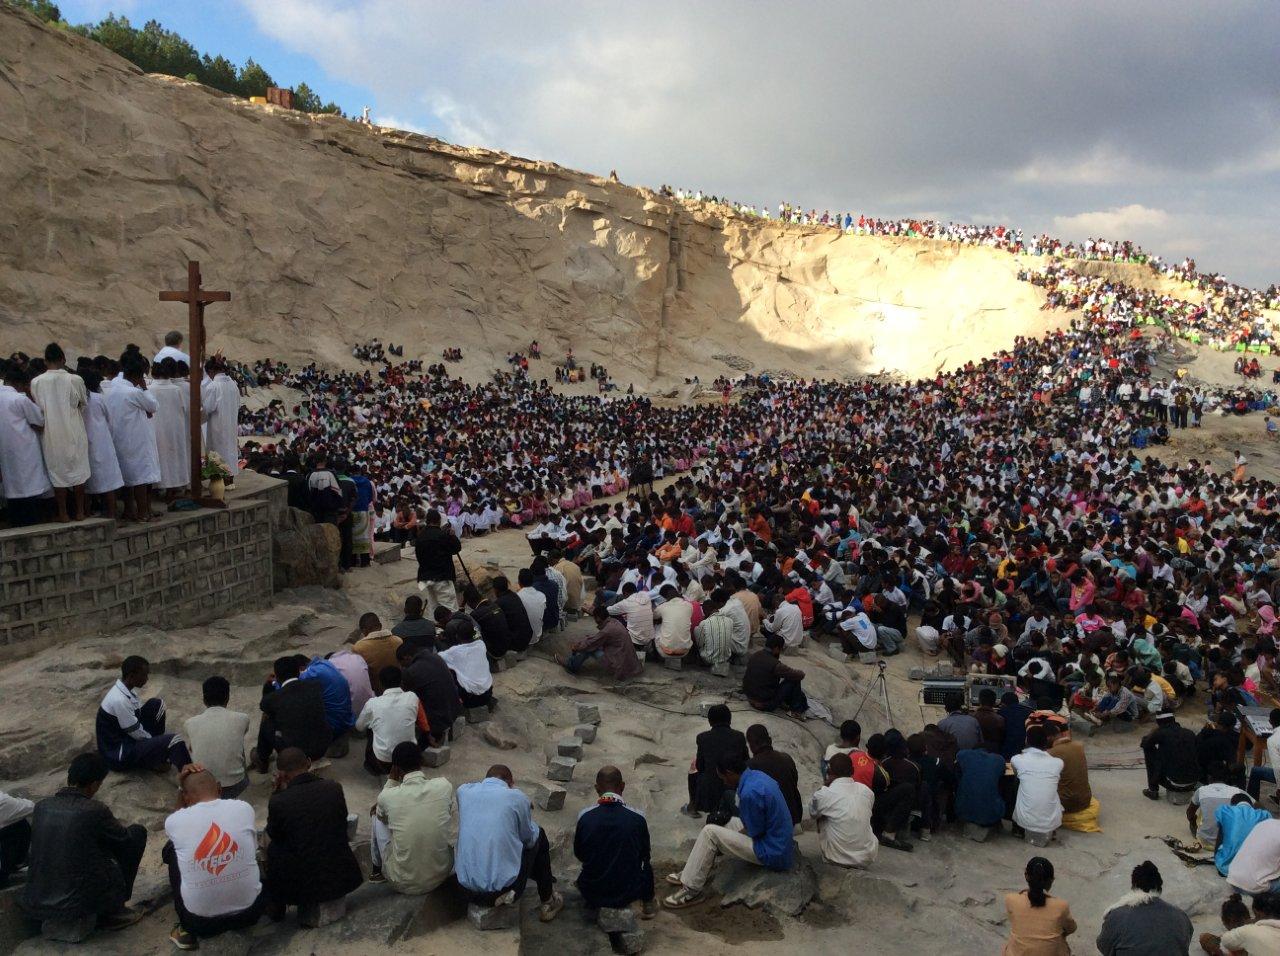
{"points": [[551, 908], [375, 876], [181, 939], [925, 836], [674, 879], [689, 812], [682, 897], [1151, 794], [506, 899], [1093, 718]]}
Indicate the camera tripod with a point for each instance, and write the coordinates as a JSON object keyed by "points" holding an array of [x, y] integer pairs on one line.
{"points": [[881, 683]]}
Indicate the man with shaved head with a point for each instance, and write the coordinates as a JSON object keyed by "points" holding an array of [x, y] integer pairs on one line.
{"points": [[500, 847], [211, 855], [612, 842]]}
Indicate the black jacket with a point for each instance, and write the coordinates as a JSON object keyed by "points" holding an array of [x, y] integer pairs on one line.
{"points": [[296, 713], [1170, 750], [519, 627], [77, 847], [309, 859], [612, 842], [493, 628], [782, 769], [435, 549], [714, 745], [429, 677]]}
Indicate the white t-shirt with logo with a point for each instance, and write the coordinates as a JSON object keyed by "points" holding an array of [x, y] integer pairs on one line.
{"points": [[216, 845]]}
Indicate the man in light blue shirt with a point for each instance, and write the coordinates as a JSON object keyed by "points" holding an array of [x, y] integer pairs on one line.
{"points": [[500, 847]]}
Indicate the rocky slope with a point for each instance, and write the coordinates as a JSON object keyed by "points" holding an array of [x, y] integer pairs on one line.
{"points": [[328, 233]]}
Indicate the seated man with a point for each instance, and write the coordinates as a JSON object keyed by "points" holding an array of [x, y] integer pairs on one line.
{"points": [[309, 860], [500, 847], [978, 799], [769, 684], [519, 620], [130, 733], [424, 673], [1073, 785], [337, 699], [842, 810], [1256, 866], [411, 826], [1170, 755], [786, 621], [762, 834], [864, 767], [292, 716], [1203, 808], [212, 860], [534, 602], [413, 624], [706, 789], [612, 843], [1235, 822], [611, 645], [215, 737], [391, 719], [1038, 807], [82, 860], [468, 658], [15, 834], [777, 765], [714, 634], [379, 647]]}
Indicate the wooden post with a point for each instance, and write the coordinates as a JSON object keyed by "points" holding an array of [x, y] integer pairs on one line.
{"points": [[196, 299]]}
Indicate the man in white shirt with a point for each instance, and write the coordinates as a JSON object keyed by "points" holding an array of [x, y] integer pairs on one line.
{"points": [[736, 611], [131, 734], [172, 349], [1038, 807], [1256, 866], [212, 860], [1205, 802], [412, 824], [216, 738], [842, 810], [637, 609], [674, 617], [390, 719], [787, 621], [534, 601]]}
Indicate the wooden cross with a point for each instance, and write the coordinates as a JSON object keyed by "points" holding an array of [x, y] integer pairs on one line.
{"points": [[196, 299]]}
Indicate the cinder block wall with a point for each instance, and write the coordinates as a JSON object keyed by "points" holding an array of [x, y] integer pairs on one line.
{"points": [[62, 581]]}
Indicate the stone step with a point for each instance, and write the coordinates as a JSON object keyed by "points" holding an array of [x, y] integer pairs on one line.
{"points": [[386, 552]]}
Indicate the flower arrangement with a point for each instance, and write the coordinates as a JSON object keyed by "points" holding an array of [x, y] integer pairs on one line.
{"points": [[213, 468]]}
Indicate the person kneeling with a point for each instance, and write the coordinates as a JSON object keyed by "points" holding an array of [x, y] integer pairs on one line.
{"points": [[612, 843], [212, 860], [762, 835], [411, 825]]}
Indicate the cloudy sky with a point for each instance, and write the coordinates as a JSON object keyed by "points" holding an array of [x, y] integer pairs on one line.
{"points": [[1147, 120]]}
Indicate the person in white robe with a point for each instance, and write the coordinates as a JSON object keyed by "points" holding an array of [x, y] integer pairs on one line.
{"points": [[222, 415], [62, 397], [173, 427], [104, 469], [130, 412], [22, 473]]}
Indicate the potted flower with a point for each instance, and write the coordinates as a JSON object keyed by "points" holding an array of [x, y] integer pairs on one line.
{"points": [[214, 470]]}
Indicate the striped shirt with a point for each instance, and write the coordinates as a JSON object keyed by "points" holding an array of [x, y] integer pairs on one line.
{"points": [[715, 638]]}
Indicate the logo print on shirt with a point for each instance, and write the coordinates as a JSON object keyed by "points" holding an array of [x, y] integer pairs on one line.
{"points": [[216, 850]]}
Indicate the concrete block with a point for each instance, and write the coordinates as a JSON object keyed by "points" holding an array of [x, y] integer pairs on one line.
{"points": [[977, 833], [569, 747], [458, 729], [588, 714], [721, 669], [477, 715], [1038, 838], [493, 917], [867, 657], [498, 666], [586, 733], [629, 944], [322, 914], [549, 798], [836, 653], [435, 756], [916, 673], [561, 769], [68, 930], [704, 706], [673, 663], [510, 659], [1179, 798], [617, 920]]}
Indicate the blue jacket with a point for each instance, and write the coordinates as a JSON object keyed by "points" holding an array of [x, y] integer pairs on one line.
{"points": [[337, 694], [978, 797], [766, 819]]}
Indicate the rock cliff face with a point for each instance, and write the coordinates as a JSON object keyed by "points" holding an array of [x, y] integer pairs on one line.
{"points": [[329, 233]]}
